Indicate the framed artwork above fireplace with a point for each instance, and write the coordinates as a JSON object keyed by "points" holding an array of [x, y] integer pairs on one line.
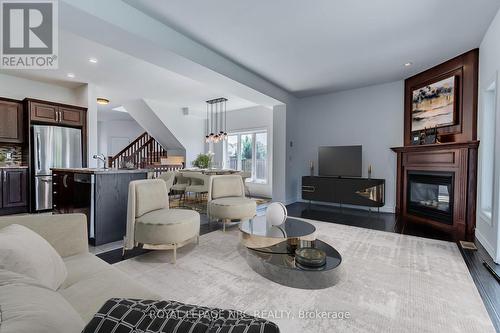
{"points": [[434, 104], [444, 97]]}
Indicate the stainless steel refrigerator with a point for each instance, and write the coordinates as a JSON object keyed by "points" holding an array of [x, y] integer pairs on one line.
{"points": [[54, 147]]}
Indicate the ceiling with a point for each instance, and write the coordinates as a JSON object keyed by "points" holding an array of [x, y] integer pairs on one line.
{"points": [[316, 47], [121, 77]]}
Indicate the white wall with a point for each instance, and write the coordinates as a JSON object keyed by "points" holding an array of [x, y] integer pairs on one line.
{"points": [[487, 231], [19, 88], [188, 130], [258, 117], [128, 130], [283, 173], [371, 117], [86, 96]]}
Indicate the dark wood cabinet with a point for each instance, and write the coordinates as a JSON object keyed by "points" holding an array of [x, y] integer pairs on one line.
{"points": [[14, 187], [43, 112], [11, 121], [73, 117], [13, 190], [55, 114]]}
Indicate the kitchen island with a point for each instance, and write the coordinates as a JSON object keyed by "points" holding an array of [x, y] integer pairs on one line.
{"points": [[101, 194]]}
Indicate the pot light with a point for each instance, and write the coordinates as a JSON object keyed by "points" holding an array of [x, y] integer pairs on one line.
{"points": [[70, 75], [93, 60], [102, 101], [408, 64]]}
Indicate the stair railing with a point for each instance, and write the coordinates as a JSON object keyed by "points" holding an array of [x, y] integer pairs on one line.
{"points": [[143, 151]]}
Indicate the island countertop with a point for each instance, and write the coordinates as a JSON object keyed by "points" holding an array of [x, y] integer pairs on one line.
{"points": [[100, 171]]}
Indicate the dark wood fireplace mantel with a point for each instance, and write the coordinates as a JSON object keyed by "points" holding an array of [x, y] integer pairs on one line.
{"points": [[459, 159]]}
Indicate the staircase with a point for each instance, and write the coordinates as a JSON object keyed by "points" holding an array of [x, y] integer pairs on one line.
{"points": [[143, 152]]}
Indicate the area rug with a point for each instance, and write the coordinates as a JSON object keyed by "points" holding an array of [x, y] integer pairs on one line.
{"points": [[389, 283]]}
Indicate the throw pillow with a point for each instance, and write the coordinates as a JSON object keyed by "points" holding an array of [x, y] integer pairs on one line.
{"points": [[25, 252]]}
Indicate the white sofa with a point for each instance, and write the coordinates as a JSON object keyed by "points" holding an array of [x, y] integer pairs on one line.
{"points": [[90, 281]]}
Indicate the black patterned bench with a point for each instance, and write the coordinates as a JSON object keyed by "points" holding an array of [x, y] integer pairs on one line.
{"points": [[122, 315]]}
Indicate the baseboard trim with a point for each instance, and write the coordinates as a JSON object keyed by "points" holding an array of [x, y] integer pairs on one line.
{"points": [[487, 246]]}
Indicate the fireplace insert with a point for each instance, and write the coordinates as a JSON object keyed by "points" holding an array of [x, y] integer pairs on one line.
{"points": [[430, 195]]}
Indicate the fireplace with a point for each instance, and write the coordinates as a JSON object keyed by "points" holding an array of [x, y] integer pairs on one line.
{"points": [[436, 187], [430, 195]]}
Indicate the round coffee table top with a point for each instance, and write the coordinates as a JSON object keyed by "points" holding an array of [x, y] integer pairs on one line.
{"points": [[292, 228]]}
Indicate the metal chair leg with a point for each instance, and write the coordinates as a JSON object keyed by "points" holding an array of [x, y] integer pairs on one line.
{"points": [[175, 254]]}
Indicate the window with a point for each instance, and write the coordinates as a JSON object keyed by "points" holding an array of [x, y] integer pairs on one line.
{"points": [[247, 152], [487, 152]]}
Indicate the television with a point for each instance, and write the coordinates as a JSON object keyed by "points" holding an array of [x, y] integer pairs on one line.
{"points": [[340, 161]]}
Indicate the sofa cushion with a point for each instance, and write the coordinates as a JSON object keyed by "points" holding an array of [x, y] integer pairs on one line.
{"points": [[83, 266], [131, 315], [28, 306], [90, 292], [25, 252], [150, 194]]}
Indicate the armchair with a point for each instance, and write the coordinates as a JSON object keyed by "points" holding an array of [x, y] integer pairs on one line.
{"points": [[151, 224], [168, 177], [227, 201]]}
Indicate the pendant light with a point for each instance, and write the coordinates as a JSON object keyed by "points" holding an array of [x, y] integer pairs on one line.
{"points": [[217, 122]]}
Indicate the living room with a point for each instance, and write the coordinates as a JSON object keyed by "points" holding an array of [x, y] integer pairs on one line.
{"points": [[344, 174]]}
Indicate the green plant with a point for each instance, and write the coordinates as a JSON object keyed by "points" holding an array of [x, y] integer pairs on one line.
{"points": [[2, 157], [246, 151], [203, 161]]}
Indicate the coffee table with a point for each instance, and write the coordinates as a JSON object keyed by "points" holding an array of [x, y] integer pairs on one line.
{"points": [[270, 251]]}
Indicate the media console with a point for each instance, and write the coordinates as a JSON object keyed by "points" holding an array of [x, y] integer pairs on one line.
{"points": [[344, 190]]}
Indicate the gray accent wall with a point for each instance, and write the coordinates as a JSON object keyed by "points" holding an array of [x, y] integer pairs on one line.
{"points": [[370, 116]]}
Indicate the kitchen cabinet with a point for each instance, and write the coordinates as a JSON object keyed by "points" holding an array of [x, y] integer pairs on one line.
{"points": [[99, 194], [11, 121], [69, 116], [43, 112], [55, 114], [13, 190]]}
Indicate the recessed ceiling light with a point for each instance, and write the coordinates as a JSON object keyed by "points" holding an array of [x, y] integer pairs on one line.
{"points": [[93, 60], [102, 101], [70, 75], [408, 64]]}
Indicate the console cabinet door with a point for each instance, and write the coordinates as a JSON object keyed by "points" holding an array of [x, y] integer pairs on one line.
{"points": [[73, 117], [14, 187], [11, 122], [44, 113]]}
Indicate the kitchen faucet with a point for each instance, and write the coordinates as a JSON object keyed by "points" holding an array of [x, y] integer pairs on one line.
{"points": [[102, 158]]}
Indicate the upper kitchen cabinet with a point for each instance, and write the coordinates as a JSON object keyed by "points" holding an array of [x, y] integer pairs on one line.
{"points": [[69, 116], [11, 121], [42, 112]]}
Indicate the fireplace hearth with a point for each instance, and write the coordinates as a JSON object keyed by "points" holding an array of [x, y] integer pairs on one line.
{"points": [[430, 195]]}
